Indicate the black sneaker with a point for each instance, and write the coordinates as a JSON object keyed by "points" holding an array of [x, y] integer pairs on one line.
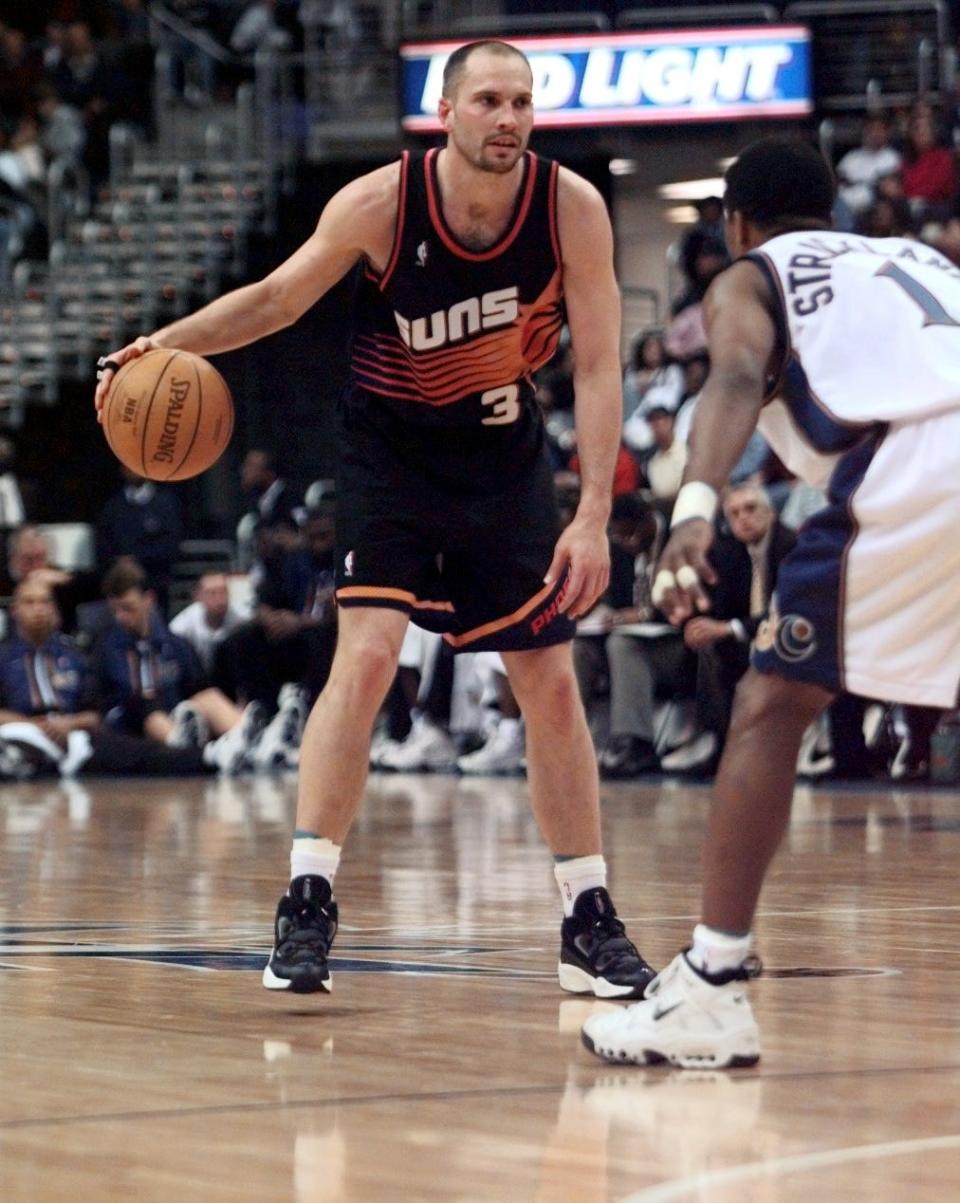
{"points": [[305, 926], [596, 955]]}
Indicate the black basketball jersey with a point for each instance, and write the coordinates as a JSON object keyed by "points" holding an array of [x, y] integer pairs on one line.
{"points": [[451, 337]]}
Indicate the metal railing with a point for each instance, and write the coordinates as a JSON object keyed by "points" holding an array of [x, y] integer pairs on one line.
{"points": [[871, 53]]}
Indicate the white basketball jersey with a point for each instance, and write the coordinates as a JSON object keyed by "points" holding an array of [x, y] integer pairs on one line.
{"points": [[871, 331]]}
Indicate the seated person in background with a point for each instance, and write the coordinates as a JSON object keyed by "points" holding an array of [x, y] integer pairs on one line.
{"points": [[268, 494], [746, 563], [143, 521], [652, 378], [209, 618], [860, 168], [49, 716], [152, 684], [29, 554], [294, 630], [637, 661], [664, 468]]}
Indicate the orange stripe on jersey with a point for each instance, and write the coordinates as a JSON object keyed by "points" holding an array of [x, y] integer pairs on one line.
{"points": [[446, 234], [378, 593], [488, 360], [499, 624], [552, 212]]}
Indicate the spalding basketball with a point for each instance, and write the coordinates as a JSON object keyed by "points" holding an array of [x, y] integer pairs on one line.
{"points": [[168, 415]]}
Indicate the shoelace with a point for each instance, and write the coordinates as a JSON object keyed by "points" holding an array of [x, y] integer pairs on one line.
{"points": [[309, 926]]}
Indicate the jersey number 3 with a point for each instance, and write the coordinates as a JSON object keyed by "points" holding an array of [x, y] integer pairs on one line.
{"points": [[504, 406]]}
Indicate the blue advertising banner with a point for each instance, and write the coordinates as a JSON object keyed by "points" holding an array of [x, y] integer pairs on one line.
{"points": [[638, 78]]}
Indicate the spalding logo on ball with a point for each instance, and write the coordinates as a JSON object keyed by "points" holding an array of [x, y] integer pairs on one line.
{"points": [[168, 415]]}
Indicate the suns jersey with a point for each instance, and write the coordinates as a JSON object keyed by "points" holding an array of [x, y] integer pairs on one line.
{"points": [[869, 333], [447, 336]]}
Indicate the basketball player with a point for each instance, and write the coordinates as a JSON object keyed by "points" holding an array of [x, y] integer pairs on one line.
{"points": [[845, 352], [470, 257]]}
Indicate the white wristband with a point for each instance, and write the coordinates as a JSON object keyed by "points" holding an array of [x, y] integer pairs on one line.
{"points": [[695, 500]]}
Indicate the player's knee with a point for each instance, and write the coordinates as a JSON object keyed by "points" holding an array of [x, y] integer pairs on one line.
{"points": [[764, 698], [557, 694], [369, 668]]}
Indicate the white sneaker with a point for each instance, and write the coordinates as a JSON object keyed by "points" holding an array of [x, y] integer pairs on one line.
{"points": [[231, 753], [687, 1019], [426, 747], [380, 745], [691, 755], [502, 753], [279, 741], [190, 728]]}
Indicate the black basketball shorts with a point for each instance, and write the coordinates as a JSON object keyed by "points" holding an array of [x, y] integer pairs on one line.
{"points": [[456, 531]]}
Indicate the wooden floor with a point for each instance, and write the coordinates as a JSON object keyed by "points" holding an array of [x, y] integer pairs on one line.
{"points": [[140, 1059]]}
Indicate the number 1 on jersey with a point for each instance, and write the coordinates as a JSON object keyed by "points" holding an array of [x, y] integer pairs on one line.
{"points": [[934, 313], [505, 408]]}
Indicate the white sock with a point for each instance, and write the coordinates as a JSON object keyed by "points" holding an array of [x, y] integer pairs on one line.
{"points": [[579, 874], [716, 951], [313, 857]]}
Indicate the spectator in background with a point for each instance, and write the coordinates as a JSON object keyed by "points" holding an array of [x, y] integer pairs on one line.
{"points": [[860, 169], [49, 705], [269, 496], [652, 378], [746, 563], [929, 173], [12, 513], [62, 131], [258, 27], [142, 521], [29, 555], [664, 468], [208, 620], [292, 637], [152, 684]]}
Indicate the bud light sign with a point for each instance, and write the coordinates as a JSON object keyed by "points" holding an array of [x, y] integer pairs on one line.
{"points": [[637, 78]]}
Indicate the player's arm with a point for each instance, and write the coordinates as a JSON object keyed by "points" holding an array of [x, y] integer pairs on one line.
{"points": [[359, 220], [593, 314], [741, 338]]}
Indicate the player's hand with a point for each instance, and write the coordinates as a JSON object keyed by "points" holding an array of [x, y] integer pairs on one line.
{"points": [[108, 365], [703, 632], [583, 551], [682, 571]]}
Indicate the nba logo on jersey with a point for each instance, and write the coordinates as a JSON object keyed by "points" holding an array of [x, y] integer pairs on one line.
{"points": [[348, 564], [423, 250]]}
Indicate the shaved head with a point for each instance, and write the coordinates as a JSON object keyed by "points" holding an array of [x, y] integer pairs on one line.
{"points": [[457, 62]]}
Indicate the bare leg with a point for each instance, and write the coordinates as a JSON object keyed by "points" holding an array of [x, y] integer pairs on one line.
{"points": [[753, 793], [217, 709], [336, 742], [561, 768]]}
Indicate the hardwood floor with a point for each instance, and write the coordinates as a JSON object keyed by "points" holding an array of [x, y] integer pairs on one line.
{"points": [[140, 1059]]}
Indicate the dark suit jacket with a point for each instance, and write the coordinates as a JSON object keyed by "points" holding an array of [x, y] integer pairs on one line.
{"points": [[731, 561]]}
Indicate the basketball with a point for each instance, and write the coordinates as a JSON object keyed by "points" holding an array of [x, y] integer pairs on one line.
{"points": [[168, 415]]}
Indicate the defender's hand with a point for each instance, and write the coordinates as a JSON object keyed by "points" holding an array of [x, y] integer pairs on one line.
{"points": [[108, 365], [583, 550], [683, 569]]}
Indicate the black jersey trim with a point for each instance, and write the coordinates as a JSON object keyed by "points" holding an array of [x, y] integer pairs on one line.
{"points": [[520, 210]]}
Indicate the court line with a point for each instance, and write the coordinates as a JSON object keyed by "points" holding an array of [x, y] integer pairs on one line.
{"points": [[429, 1096], [779, 1166]]}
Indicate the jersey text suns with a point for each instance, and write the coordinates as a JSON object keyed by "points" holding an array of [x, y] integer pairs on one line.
{"points": [[497, 308], [452, 335]]}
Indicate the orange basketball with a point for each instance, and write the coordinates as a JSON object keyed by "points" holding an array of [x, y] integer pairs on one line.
{"points": [[168, 415]]}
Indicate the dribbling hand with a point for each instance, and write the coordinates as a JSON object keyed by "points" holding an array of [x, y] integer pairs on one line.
{"points": [[108, 366]]}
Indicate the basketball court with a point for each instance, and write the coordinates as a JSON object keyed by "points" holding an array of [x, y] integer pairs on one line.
{"points": [[141, 1059]]}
